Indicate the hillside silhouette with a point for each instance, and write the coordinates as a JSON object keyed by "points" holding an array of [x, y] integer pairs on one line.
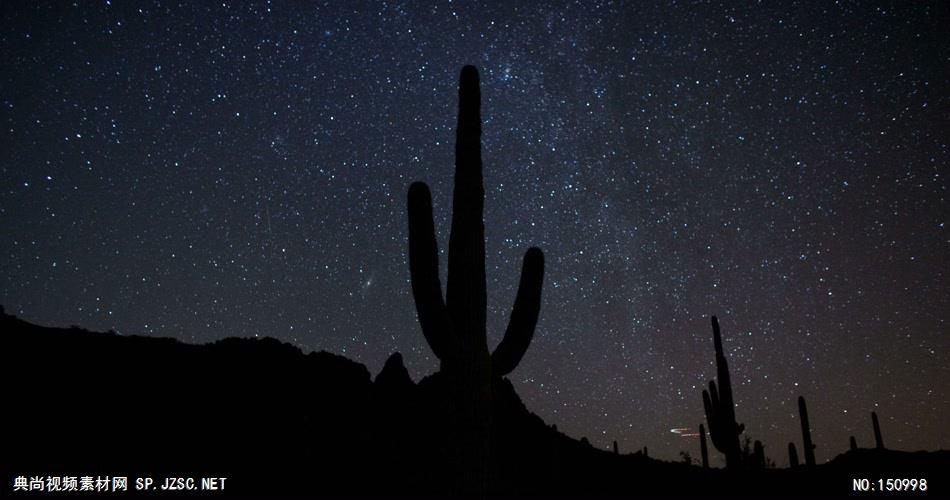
{"points": [[276, 421]]}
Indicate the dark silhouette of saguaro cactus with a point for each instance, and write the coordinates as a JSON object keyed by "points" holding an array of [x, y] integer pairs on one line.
{"points": [[853, 443], [720, 408], [454, 327], [792, 455], [702, 446], [807, 445], [878, 440], [616, 448]]}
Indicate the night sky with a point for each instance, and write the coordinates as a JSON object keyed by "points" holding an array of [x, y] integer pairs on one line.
{"points": [[227, 169]]}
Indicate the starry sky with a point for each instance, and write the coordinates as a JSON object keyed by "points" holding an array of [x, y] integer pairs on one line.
{"points": [[211, 169]]}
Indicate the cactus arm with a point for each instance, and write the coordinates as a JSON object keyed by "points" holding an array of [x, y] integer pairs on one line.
{"points": [[714, 397], [710, 415], [424, 273], [878, 440], [722, 375], [716, 408], [524, 315], [717, 339], [708, 408], [808, 448], [702, 446], [466, 296], [707, 405]]}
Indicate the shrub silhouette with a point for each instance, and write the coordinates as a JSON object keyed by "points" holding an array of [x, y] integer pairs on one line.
{"points": [[720, 408], [455, 327]]}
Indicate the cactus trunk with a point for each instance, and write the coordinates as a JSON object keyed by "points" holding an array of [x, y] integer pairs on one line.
{"points": [[853, 443]]}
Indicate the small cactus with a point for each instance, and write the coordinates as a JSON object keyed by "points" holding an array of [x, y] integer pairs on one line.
{"points": [[792, 456], [616, 448], [854, 444]]}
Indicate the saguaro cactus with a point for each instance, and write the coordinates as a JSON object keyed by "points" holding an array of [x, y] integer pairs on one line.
{"points": [[792, 455], [616, 448], [702, 446], [853, 443], [878, 440], [720, 408], [809, 448], [454, 327]]}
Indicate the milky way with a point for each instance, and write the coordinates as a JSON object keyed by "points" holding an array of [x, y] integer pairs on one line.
{"points": [[232, 169]]}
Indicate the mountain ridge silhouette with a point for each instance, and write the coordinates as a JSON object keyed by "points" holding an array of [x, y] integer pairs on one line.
{"points": [[279, 422]]}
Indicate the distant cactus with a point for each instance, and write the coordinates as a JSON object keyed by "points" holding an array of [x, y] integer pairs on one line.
{"points": [[854, 444], [878, 440], [758, 455], [616, 449], [807, 445], [646, 452], [702, 446], [720, 408], [455, 326], [792, 455]]}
